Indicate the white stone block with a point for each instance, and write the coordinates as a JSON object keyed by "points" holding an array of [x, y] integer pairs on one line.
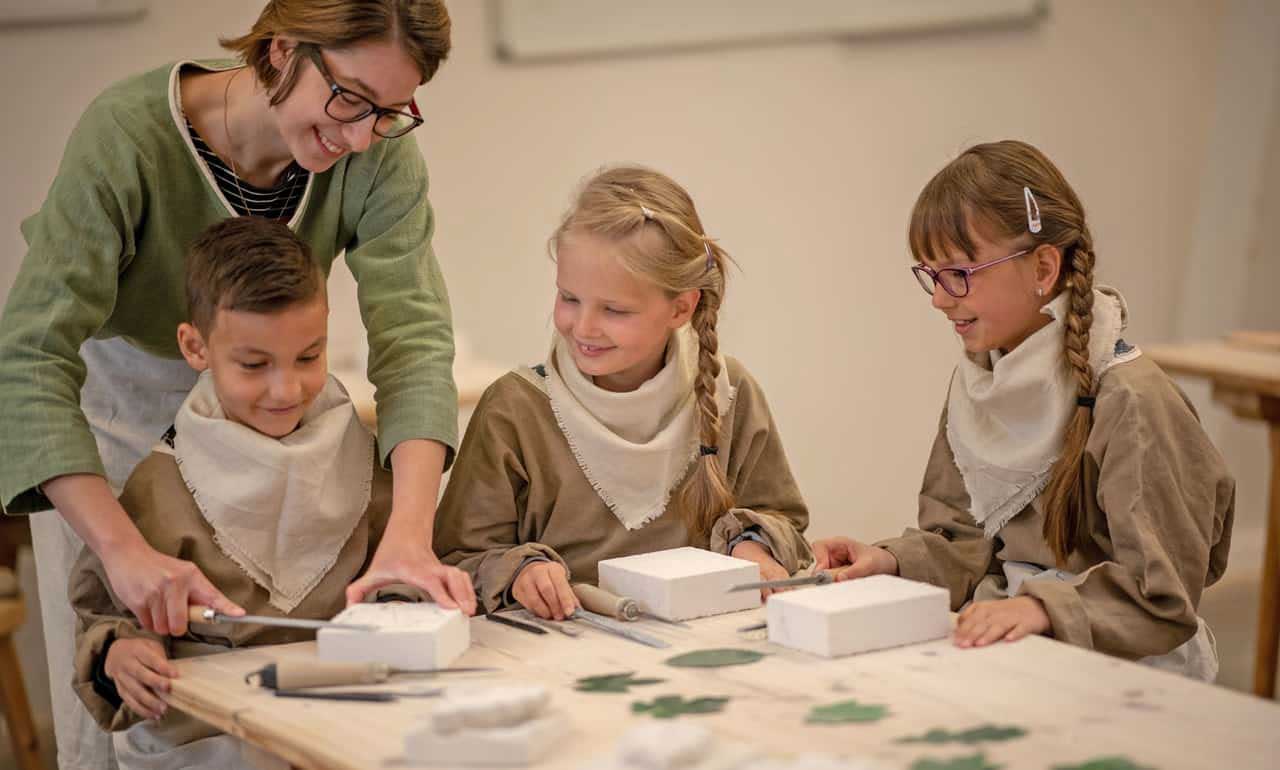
{"points": [[870, 613], [506, 726], [412, 636], [682, 583]]}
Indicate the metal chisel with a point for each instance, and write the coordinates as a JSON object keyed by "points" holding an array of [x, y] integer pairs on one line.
{"points": [[199, 614], [817, 579], [613, 627]]}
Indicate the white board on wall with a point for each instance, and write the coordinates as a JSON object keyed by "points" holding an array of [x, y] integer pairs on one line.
{"points": [[27, 12], [530, 29]]}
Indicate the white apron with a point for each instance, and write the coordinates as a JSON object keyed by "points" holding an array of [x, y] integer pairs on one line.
{"points": [[129, 398]]}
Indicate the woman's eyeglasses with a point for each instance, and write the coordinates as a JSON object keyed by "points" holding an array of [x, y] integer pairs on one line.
{"points": [[955, 280], [347, 106]]}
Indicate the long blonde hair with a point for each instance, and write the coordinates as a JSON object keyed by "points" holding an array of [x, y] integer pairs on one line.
{"points": [[421, 26], [661, 239], [983, 189]]}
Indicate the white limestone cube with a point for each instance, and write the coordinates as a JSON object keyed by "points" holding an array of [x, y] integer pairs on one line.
{"points": [[682, 583], [412, 636], [870, 613], [510, 725]]}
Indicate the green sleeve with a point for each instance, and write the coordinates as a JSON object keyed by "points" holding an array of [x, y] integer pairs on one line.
{"points": [[77, 245], [405, 306]]}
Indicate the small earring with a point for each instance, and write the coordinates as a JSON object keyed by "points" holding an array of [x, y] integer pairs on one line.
{"points": [[1039, 292]]}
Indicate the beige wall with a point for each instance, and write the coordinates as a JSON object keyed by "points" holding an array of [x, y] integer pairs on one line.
{"points": [[804, 160]]}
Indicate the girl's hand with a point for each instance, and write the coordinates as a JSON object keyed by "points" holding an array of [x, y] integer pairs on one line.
{"points": [[857, 559], [982, 623], [141, 673], [408, 560], [543, 589], [770, 569]]}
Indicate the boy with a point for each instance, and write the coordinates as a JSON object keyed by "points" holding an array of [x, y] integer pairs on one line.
{"points": [[267, 482]]}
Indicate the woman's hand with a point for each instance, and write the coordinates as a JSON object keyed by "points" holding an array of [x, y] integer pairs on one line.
{"points": [[156, 588], [982, 623], [141, 673], [542, 588], [852, 559], [770, 569], [410, 561]]}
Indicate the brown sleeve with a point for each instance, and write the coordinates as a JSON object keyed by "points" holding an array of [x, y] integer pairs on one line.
{"points": [[765, 493], [1167, 502], [101, 617], [478, 523], [949, 549]]}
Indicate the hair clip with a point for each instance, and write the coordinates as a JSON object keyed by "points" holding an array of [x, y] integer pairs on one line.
{"points": [[647, 212], [1033, 220], [711, 260]]}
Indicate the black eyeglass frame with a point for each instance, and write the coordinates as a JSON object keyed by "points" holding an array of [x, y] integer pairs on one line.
{"points": [[313, 53]]}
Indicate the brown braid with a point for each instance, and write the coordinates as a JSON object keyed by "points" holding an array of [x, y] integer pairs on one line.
{"points": [[1064, 528]]}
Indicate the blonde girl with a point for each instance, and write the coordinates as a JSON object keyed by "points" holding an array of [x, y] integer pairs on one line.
{"points": [[636, 433], [1070, 490]]}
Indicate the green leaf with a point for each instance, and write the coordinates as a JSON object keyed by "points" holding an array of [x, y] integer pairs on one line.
{"points": [[846, 711], [715, 658], [668, 706], [1106, 763], [975, 762], [613, 682], [971, 736]]}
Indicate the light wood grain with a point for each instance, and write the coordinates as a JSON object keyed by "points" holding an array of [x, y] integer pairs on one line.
{"points": [[1075, 704], [1240, 368]]}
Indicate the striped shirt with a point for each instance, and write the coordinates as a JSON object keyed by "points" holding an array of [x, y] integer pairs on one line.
{"points": [[278, 202]]}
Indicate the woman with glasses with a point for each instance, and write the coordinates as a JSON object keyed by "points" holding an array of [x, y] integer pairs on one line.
{"points": [[308, 127], [1071, 490]]}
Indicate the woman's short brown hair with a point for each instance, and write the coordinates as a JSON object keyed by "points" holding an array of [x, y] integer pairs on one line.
{"points": [[421, 26]]}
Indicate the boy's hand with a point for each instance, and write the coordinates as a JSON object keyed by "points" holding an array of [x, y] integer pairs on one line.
{"points": [[543, 589], [857, 559], [141, 673], [158, 588], [982, 623], [770, 569], [411, 562]]}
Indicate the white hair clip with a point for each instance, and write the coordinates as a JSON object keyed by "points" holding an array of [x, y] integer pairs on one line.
{"points": [[1033, 219], [648, 212]]}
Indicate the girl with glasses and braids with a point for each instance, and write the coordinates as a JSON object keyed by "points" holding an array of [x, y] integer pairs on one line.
{"points": [[299, 128], [1071, 490], [636, 433]]}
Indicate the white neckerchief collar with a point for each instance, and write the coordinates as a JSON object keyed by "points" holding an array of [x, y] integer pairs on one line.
{"points": [[282, 509], [636, 447], [1006, 422]]}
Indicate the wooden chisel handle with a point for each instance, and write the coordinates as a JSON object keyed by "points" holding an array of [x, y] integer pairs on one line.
{"points": [[301, 674], [602, 602]]}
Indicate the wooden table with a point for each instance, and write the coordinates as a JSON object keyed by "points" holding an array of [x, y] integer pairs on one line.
{"points": [[1074, 705], [1245, 373]]}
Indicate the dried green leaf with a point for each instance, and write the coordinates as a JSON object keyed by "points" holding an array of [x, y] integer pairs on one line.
{"points": [[973, 762], [1106, 763], [971, 736], [669, 706], [715, 658], [847, 711], [621, 682]]}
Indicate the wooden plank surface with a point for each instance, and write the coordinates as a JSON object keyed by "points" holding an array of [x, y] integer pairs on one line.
{"points": [[1241, 368], [1075, 705]]}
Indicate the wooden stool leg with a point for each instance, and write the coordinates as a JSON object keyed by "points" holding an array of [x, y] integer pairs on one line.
{"points": [[16, 708], [1264, 671]]}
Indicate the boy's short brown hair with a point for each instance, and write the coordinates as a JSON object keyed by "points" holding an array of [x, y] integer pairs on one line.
{"points": [[250, 264]]}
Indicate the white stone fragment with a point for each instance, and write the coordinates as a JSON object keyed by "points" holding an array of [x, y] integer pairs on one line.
{"points": [[506, 726], [664, 745], [682, 583], [408, 635], [869, 613]]}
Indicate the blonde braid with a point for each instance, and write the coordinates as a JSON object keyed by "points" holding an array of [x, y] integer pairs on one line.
{"points": [[1064, 525], [706, 496]]}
